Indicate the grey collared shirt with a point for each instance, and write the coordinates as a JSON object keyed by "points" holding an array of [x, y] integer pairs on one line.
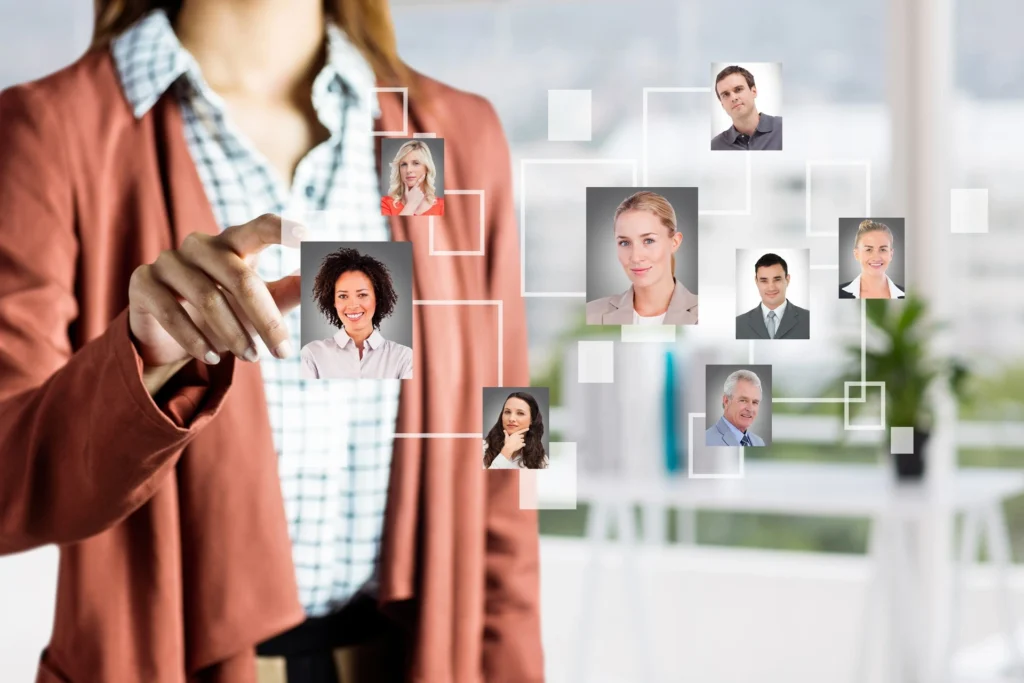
{"points": [[337, 357], [768, 135]]}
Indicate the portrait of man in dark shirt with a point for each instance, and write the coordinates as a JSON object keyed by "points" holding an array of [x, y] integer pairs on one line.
{"points": [[750, 129]]}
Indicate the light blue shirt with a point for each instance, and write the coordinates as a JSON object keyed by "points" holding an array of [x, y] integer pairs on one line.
{"points": [[736, 432], [337, 357]]}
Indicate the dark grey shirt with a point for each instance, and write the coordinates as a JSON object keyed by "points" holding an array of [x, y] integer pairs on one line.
{"points": [[768, 135]]}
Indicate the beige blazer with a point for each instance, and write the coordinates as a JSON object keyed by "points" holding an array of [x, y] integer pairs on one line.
{"points": [[618, 309]]}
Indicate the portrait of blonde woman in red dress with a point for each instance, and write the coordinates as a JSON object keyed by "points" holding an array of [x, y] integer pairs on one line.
{"points": [[411, 189]]}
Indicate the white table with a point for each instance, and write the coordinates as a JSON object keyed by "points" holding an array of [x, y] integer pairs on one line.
{"points": [[898, 513]]}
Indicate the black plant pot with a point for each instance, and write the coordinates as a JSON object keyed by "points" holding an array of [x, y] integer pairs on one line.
{"points": [[910, 466]]}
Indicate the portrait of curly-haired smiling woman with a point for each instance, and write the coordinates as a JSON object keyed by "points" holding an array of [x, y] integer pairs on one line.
{"points": [[354, 292]]}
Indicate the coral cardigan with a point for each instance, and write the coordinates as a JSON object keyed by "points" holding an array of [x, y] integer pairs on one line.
{"points": [[388, 207], [175, 559]]}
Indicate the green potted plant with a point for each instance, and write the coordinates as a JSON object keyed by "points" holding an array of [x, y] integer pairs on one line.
{"points": [[903, 360]]}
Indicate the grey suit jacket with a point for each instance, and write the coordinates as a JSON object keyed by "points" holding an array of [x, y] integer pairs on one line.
{"points": [[719, 434], [618, 309], [796, 324]]}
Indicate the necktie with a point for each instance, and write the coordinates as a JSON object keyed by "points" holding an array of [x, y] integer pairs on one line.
{"points": [[746, 440], [771, 324]]}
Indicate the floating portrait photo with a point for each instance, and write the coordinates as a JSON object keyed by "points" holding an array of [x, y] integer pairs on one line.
{"points": [[642, 247], [356, 310], [738, 405], [746, 113], [515, 429], [773, 294], [412, 177], [872, 264]]}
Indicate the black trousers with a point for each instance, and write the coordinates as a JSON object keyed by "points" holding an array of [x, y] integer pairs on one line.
{"points": [[308, 648]]}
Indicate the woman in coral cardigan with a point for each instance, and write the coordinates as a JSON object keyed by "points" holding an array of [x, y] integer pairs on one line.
{"points": [[152, 419]]}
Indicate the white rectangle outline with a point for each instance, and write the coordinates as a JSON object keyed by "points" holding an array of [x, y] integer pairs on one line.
{"points": [[424, 135], [522, 219], [644, 154], [430, 229], [689, 454], [807, 192], [863, 393], [405, 113], [501, 358]]}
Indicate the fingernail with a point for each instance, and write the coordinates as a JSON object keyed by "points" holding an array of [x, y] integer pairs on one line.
{"points": [[284, 349], [252, 355], [211, 358]]}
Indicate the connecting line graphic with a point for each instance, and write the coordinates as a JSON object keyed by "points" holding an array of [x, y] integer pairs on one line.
{"points": [[405, 113], [689, 449], [522, 217], [705, 90], [501, 358]]}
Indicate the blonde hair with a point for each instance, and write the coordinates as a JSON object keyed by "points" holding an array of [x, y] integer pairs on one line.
{"points": [[646, 200], [396, 189], [367, 23], [869, 225]]}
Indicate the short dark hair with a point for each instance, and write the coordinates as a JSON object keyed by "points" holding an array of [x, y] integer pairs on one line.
{"points": [[345, 260], [730, 70], [771, 260]]}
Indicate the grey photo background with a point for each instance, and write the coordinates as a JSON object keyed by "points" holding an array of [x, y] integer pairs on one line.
{"points": [[715, 380], [849, 268], [797, 260], [397, 256], [605, 276], [494, 401], [389, 148]]}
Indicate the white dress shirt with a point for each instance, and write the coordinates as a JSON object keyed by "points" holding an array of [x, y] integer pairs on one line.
{"points": [[650, 320], [334, 439], [854, 288], [778, 314], [337, 357]]}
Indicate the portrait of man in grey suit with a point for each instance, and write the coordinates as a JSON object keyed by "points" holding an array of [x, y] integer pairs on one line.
{"points": [[775, 317], [741, 401]]}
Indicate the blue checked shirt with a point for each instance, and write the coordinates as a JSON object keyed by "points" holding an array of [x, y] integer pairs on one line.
{"points": [[333, 437]]}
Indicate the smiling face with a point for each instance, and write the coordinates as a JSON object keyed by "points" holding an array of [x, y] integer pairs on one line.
{"points": [[412, 169], [735, 97], [874, 252], [355, 302], [515, 415], [741, 409], [644, 247], [772, 282]]}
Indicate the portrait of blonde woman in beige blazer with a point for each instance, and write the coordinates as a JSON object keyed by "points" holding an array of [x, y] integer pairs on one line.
{"points": [[646, 241]]}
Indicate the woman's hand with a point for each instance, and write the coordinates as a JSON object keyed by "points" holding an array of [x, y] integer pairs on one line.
{"points": [[514, 443], [205, 299], [413, 198]]}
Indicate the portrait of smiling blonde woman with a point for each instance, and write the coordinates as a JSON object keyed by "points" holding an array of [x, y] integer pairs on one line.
{"points": [[874, 251], [646, 238], [411, 189]]}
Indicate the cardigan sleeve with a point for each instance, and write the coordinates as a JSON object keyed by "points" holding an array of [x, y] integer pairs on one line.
{"points": [[82, 443], [512, 641]]}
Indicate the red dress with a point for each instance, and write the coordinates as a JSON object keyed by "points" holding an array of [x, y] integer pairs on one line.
{"points": [[388, 207]]}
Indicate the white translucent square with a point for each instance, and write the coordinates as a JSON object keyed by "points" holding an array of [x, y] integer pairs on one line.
{"points": [[663, 334], [553, 488], [596, 362], [968, 210], [568, 115], [847, 401], [901, 440]]}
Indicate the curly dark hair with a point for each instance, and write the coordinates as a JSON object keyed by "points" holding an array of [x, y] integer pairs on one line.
{"points": [[534, 457], [342, 261]]}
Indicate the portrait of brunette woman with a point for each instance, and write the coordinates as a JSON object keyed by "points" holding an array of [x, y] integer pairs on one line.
{"points": [[411, 190], [515, 439], [154, 423], [646, 239]]}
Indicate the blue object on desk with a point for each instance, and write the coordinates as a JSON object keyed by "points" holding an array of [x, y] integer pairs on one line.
{"points": [[672, 464]]}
